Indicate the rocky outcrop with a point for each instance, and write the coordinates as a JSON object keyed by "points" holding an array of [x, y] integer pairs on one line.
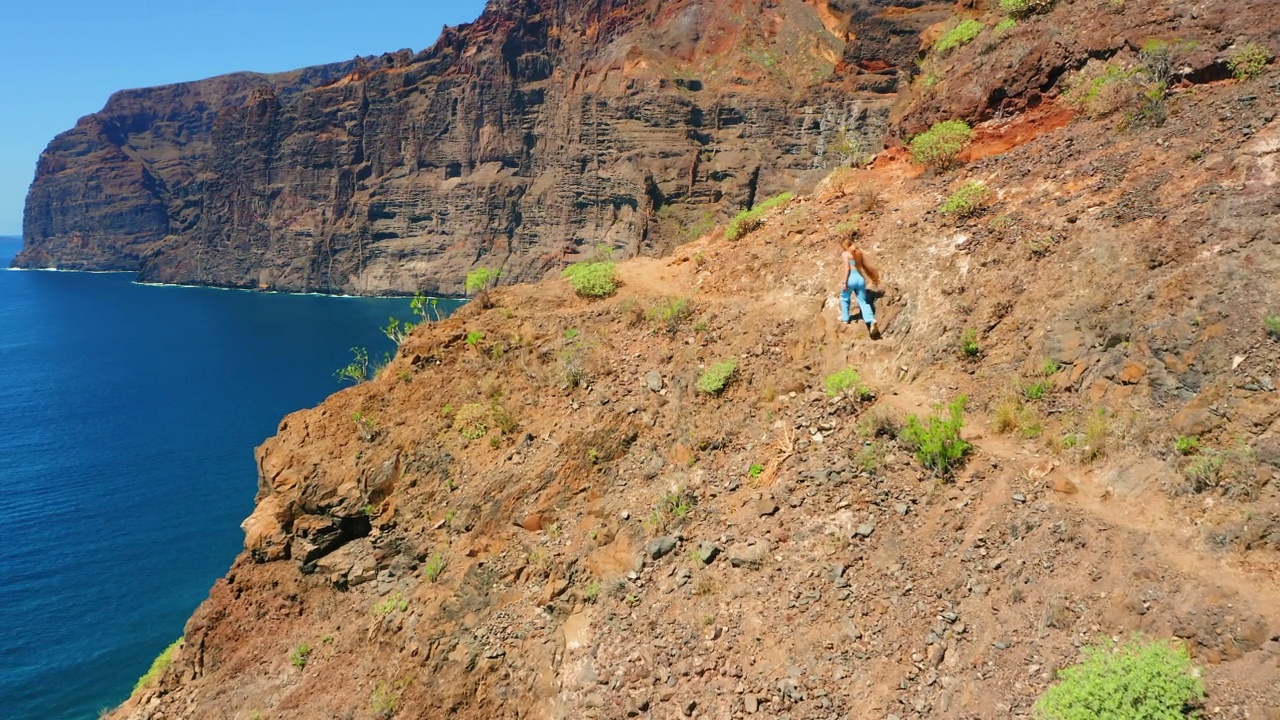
{"points": [[545, 128], [110, 191], [1003, 72]]}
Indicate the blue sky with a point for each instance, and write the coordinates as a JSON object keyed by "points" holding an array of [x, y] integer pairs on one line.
{"points": [[62, 59]]}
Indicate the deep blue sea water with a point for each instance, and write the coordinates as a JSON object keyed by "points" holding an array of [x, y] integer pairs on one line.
{"points": [[128, 418]]}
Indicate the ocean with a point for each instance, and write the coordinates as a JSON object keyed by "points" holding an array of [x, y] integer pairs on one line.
{"points": [[128, 419]]}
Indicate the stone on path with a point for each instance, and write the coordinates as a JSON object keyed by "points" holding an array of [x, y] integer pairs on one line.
{"points": [[658, 547]]}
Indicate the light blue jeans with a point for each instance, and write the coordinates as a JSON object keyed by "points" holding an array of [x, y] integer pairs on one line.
{"points": [[857, 285]]}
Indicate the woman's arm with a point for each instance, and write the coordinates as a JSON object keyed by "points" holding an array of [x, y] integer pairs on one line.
{"points": [[844, 282]]}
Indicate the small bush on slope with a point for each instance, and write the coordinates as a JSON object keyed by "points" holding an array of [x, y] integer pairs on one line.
{"points": [[966, 202], [961, 34], [1136, 681], [1272, 324], [158, 666], [748, 220], [1025, 8], [592, 279], [480, 279], [717, 377], [937, 444], [940, 146], [473, 421], [843, 380], [1249, 61]]}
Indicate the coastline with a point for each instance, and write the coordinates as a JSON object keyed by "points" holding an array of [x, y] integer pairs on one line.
{"points": [[461, 300], [60, 270], [284, 292]]}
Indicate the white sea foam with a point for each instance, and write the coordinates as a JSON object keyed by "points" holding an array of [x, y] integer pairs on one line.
{"points": [[60, 270], [217, 287], [281, 292]]}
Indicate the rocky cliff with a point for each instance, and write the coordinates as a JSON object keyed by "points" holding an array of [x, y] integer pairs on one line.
{"points": [[538, 510], [545, 128]]}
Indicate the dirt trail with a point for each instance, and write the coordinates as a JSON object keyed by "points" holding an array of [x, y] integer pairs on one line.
{"points": [[1145, 509]]}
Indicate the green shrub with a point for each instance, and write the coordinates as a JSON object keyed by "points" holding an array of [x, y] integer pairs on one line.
{"points": [[842, 380], [776, 201], [592, 279], [938, 445], [1036, 391], [1272, 323], [1005, 25], [1187, 445], [1025, 8], [1094, 441], [299, 655], [1151, 110], [966, 202], [572, 360], [670, 312], [1098, 90], [1249, 61], [434, 567], [473, 420], [426, 308], [717, 377], [969, 343], [396, 602], [1050, 367], [158, 666], [397, 330], [1233, 472], [481, 279], [869, 458], [474, 337], [1157, 60], [366, 426], [1014, 414], [1090, 438], [960, 34], [755, 471], [941, 145], [747, 220], [1136, 681], [357, 371], [385, 700], [845, 228], [678, 503]]}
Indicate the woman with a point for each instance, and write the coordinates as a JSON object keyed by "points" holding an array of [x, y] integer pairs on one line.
{"points": [[856, 274]]}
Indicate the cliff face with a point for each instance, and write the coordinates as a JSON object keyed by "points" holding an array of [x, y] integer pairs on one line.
{"points": [[110, 191], [544, 128]]}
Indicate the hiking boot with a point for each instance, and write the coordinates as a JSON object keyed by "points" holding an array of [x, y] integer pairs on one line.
{"points": [[875, 331]]}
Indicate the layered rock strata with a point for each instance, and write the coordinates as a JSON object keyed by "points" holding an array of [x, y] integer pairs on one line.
{"points": [[542, 131]]}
